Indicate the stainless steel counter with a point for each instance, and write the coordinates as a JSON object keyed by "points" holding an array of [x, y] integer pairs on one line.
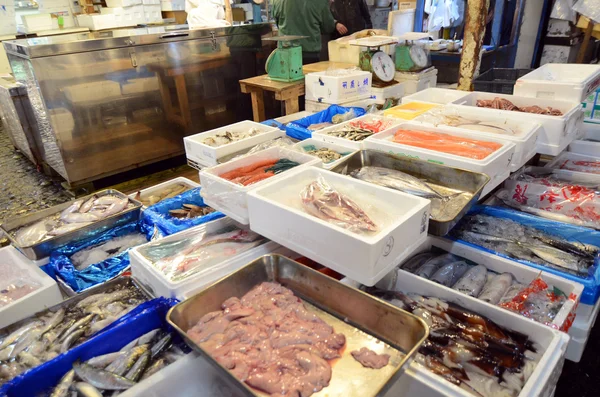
{"points": [[106, 102]]}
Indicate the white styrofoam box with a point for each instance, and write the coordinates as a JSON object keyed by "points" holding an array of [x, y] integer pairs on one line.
{"points": [[126, 16], [493, 165], [525, 140], [581, 330], [415, 82], [46, 295], [93, 91], [345, 150], [557, 131], [335, 87], [157, 284], [322, 135], [151, 2], [139, 86], [152, 13], [37, 22], [288, 118], [494, 183], [172, 5], [276, 212], [522, 274], [568, 82], [122, 3], [97, 22], [231, 198], [590, 145], [559, 161], [207, 155], [575, 349], [157, 188], [315, 106], [441, 96], [395, 91]]}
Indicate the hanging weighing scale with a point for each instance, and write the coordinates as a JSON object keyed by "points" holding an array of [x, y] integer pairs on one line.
{"points": [[285, 62], [410, 56], [376, 61]]}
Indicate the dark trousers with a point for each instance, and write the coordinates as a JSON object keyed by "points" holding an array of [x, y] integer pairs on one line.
{"points": [[310, 57]]}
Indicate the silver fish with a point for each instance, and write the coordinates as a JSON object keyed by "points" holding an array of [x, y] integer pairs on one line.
{"points": [[33, 234], [121, 365], [101, 379], [555, 256], [73, 208], [88, 204], [115, 208], [78, 324], [26, 341], [161, 345], [80, 218], [106, 200], [449, 274], [472, 282], [15, 335], [154, 368], [138, 368], [106, 359], [108, 298], [59, 231], [412, 264], [71, 339], [495, 289], [146, 338], [396, 180], [54, 320], [87, 390], [62, 390]]}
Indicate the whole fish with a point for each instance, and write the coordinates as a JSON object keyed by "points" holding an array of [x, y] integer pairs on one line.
{"points": [[79, 218], [495, 289], [87, 390], [472, 282], [161, 345], [54, 320], [396, 180], [450, 273], [138, 368], [154, 368], [71, 339], [101, 379], [556, 257], [106, 200], [15, 335], [85, 207], [431, 266], [121, 365], [73, 208], [78, 324], [412, 264], [62, 390], [34, 233], [115, 208], [106, 359], [59, 231]]}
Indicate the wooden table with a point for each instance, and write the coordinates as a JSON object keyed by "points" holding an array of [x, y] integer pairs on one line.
{"points": [[286, 92]]}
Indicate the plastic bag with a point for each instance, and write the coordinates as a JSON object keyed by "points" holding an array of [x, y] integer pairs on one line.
{"points": [[323, 201], [587, 8], [61, 265], [563, 9], [157, 216], [15, 283], [299, 129]]}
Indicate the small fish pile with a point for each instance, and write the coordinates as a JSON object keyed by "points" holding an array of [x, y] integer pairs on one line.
{"points": [[189, 211], [325, 154], [118, 371], [505, 104], [269, 340], [586, 166], [467, 349], [441, 205], [514, 240], [550, 194], [228, 137], [259, 171], [15, 283], [163, 194], [36, 340], [351, 133], [180, 259], [494, 127], [319, 126], [498, 289], [445, 143], [375, 125], [79, 214], [99, 253], [324, 202]]}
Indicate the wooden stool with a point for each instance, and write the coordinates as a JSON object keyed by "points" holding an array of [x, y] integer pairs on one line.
{"points": [[286, 92]]}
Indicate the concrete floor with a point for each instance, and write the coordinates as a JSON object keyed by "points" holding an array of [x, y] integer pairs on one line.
{"points": [[25, 190]]}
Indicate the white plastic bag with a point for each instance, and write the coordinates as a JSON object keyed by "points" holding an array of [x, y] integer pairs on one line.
{"points": [[563, 9], [589, 9]]}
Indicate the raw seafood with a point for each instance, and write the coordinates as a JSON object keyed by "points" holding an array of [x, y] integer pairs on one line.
{"points": [[351, 133], [449, 274], [33, 341], [495, 288], [375, 126], [468, 349], [15, 283], [258, 171], [270, 341], [163, 194], [121, 370], [325, 154], [319, 126], [445, 143], [505, 104], [79, 214], [517, 241], [189, 211], [370, 359], [99, 253], [180, 259], [432, 265], [227, 137], [473, 281], [494, 127], [586, 166], [396, 180], [321, 200]]}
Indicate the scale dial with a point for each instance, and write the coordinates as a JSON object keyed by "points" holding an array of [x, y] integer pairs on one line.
{"points": [[383, 66], [419, 56]]}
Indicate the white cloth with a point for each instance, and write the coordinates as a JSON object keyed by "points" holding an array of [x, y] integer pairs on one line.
{"points": [[205, 13]]}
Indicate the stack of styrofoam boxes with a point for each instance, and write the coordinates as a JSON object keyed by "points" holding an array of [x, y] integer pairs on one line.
{"points": [[8, 23], [37, 22], [97, 21], [152, 11], [338, 87], [59, 7], [125, 12], [172, 5], [417, 81]]}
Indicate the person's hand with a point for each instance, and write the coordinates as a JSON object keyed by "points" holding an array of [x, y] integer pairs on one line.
{"points": [[341, 28]]}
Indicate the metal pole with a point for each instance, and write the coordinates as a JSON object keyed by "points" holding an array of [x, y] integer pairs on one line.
{"points": [[476, 14]]}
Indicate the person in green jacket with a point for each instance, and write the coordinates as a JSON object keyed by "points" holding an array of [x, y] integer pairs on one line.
{"points": [[306, 18]]}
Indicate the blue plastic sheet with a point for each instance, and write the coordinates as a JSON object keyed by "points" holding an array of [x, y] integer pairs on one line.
{"points": [[148, 316], [61, 266], [564, 231], [158, 214], [299, 129], [274, 123]]}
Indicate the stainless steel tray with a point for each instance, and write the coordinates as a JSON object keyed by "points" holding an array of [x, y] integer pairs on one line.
{"points": [[365, 321], [44, 248], [440, 176]]}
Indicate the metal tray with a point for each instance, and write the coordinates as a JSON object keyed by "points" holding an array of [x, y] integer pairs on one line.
{"points": [[440, 176], [44, 248], [70, 292], [366, 322]]}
